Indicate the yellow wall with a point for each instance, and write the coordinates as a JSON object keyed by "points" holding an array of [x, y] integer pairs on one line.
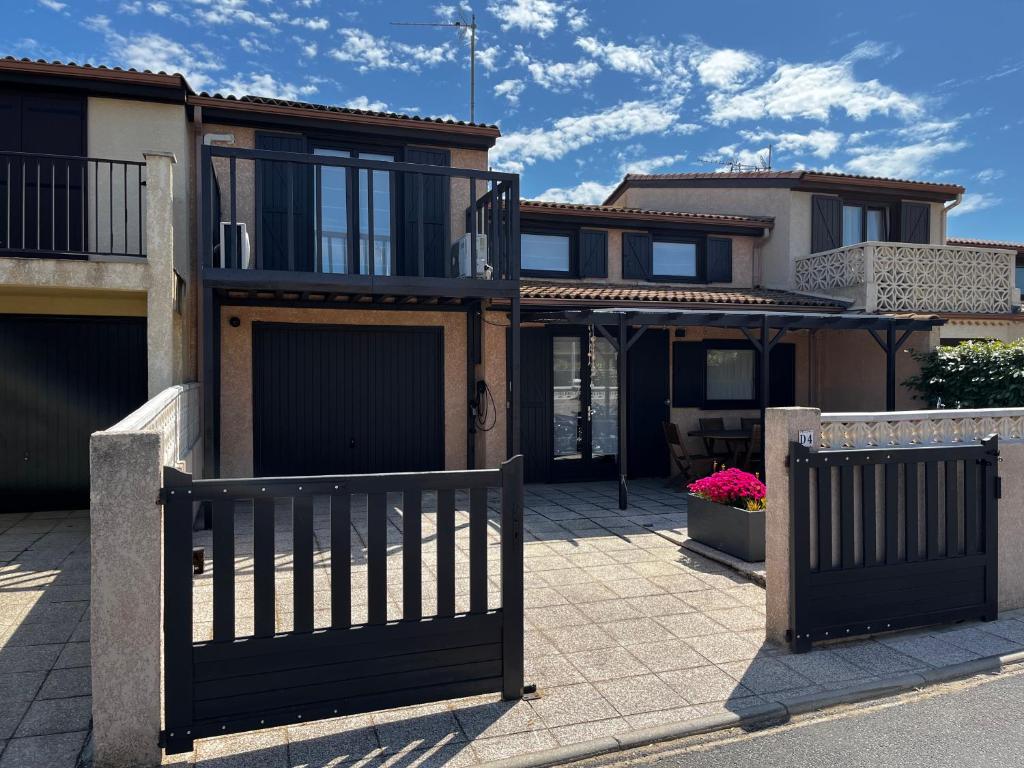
{"points": [[71, 301]]}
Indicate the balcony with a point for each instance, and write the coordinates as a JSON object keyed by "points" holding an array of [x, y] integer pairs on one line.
{"points": [[906, 277], [59, 206], [334, 224]]}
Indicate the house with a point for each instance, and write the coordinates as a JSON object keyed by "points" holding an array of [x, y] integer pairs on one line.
{"points": [[356, 292]]}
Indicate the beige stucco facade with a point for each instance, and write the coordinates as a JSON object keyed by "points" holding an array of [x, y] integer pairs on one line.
{"points": [[1001, 329]]}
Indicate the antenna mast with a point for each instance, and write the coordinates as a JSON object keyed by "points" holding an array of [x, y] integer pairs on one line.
{"points": [[461, 25]]}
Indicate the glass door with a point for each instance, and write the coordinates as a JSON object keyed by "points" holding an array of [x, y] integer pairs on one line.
{"points": [[585, 406]]}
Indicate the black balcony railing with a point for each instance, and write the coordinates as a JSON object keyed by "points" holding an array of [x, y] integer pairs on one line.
{"points": [[285, 211], [71, 207]]}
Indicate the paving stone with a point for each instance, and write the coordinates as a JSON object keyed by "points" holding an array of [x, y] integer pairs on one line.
{"points": [[255, 749], [633, 631], [661, 717], [977, 640], [56, 716], [934, 651], [1011, 629], [54, 751], [28, 658], [691, 624], [608, 664], [877, 659], [497, 718], [737, 619], [764, 676], [542, 597], [575, 639], [457, 755], [552, 670], [701, 685], [585, 593], [723, 647], [56, 613], [572, 704], [502, 747], [822, 666], [335, 741], [418, 727], [667, 655], [39, 634], [580, 732], [11, 714], [556, 616], [66, 683], [640, 694], [610, 610], [634, 587], [73, 655], [20, 686]]}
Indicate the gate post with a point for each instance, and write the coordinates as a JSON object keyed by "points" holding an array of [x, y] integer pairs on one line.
{"points": [[125, 627], [782, 427], [512, 577]]}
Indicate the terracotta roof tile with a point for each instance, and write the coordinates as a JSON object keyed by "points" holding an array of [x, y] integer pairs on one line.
{"points": [[975, 242], [615, 211], [554, 292]]}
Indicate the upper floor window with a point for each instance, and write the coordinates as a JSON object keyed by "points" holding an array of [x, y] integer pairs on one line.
{"points": [[674, 259], [1019, 274], [546, 253], [863, 223]]}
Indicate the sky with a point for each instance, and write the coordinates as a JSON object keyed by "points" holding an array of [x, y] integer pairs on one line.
{"points": [[584, 91]]}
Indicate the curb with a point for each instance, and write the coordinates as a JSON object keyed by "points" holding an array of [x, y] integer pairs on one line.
{"points": [[732, 563], [767, 714]]}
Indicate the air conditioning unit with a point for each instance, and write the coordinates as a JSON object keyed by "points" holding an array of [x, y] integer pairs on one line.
{"points": [[463, 253], [227, 244]]}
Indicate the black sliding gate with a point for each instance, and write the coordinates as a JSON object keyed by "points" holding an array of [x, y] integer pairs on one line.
{"points": [[891, 538], [262, 676]]}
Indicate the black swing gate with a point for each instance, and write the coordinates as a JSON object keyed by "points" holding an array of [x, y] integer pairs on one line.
{"points": [[891, 538], [267, 678]]}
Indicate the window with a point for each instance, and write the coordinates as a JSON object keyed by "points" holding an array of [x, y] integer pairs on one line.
{"points": [[674, 259], [1019, 274], [730, 374], [861, 224], [546, 253]]}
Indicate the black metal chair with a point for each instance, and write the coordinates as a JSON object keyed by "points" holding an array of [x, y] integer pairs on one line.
{"points": [[689, 466], [713, 423]]}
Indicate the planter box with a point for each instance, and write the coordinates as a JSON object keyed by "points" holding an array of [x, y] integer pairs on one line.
{"points": [[735, 531]]}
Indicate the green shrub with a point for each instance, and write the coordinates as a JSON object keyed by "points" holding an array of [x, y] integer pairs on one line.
{"points": [[973, 374]]}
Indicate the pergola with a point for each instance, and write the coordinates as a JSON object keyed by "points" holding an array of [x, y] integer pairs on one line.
{"points": [[623, 326]]}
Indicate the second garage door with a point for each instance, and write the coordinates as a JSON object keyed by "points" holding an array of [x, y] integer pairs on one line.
{"points": [[347, 399]]}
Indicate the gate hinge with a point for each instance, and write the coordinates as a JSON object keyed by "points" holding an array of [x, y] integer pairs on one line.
{"points": [[998, 482]]}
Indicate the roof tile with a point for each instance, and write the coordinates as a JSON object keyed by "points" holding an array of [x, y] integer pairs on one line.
{"points": [[760, 221], [554, 292]]}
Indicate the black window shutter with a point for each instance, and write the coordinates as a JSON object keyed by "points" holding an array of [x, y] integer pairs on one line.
{"points": [[719, 260], [636, 255], [593, 253], [436, 254], [915, 222], [687, 374], [782, 376], [272, 244], [10, 122], [826, 223]]}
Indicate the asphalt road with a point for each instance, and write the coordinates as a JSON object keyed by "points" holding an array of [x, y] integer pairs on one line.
{"points": [[971, 724]]}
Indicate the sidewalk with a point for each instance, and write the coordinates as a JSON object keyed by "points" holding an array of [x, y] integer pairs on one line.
{"points": [[625, 632]]}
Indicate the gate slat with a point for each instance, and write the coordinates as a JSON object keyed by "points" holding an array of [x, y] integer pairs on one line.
{"points": [[931, 507], [446, 552], [341, 561], [913, 528], [846, 516], [970, 507], [224, 569], [412, 554], [868, 514], [824, 518], [892, 513], [178, 662], [377, 558], [478, 550], [302, 568], [263, 567], [952, 513]]}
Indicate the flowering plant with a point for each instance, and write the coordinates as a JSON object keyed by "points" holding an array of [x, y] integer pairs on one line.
{"points": [[733, 487]]}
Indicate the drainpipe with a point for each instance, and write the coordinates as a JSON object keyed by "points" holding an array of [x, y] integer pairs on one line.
{"points": [[945, 213], [758, 261]]}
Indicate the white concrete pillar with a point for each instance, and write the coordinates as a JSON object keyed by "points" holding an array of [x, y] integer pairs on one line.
{"points": [[126, 611], [782, 427], [160, 319]]}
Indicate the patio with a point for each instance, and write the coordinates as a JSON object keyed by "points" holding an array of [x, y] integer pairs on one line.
{"points": [[624, 630]]}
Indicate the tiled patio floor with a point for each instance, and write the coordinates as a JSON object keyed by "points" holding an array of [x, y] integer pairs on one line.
{"points": [[623, 630]]}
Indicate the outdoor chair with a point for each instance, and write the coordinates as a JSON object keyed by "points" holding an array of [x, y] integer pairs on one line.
{"points": [[688, 466], [755, 450], [749, 422], [709, 442]]}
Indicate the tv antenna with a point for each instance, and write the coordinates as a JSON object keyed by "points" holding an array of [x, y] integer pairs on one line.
{"points": [[764, 163], [461, 25]]}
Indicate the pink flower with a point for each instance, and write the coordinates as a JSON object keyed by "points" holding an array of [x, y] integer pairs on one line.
{"points": [[731, 486]]}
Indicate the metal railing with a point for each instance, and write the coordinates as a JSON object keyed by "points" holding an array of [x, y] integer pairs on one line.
{"points": [[296, 212], [71, 207]]}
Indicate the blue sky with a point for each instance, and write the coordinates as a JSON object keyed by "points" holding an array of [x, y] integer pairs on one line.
{"points": [[585, 91]]}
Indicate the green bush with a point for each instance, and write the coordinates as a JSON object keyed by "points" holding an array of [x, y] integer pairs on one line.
{"points": [[973, 374]]}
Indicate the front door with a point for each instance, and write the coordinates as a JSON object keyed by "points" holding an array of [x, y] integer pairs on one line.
{"points": [[584, 410]]}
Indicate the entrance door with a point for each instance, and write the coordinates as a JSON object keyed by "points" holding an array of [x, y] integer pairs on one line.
{"points": [[585, 402], [648, 404], [337, 399]]}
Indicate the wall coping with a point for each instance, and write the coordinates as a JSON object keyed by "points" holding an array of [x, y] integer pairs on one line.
{"points": [[944, 413]]}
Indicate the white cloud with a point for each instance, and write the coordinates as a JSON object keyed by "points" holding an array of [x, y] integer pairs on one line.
{"points": [[307, 47], [636, 60], [588, 192], [252, 44], [487, 57], [974, 202], [562, 76], [576, 19], [813, 91], [518, 149], [540, 16], [650, 164], [727, 68], [989, 175], [159, 8], [510, 89], [820, 143], [216, 12], [906, 162], [728, 156], [264, 84], [370, 52], [53, 5], [362, 102], [133, 8]]}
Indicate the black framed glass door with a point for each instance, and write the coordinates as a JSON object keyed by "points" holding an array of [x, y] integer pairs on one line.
{"points": [[584, 406]]}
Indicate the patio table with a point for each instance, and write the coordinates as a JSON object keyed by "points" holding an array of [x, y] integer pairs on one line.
{"points": [[737, 439]]}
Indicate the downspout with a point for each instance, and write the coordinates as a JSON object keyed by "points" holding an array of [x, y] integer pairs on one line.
{"points": [[758, 269], [945, 213]]}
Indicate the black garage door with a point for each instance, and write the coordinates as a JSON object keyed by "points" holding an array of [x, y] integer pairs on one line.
{"points": [[61, 379], [346, 399]]}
